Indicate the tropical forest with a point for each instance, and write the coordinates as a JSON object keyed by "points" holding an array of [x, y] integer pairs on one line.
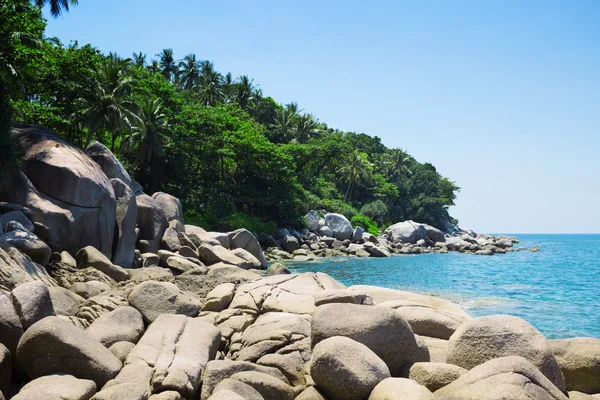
{"points": [[233, 155]]}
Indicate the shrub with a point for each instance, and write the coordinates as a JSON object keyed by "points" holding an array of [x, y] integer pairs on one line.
{"points": [[340, 207], [209, 220], [367, 223], [376, 210], [11, 151]]}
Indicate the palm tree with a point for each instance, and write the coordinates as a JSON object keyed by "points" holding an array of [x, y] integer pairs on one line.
{"points": [[245, 92], [139, 59], [306, 127], [188, 74], [293, 107], [154, 66], [56, 6], [228, 88], [167, 64], [110, 107], [210, 84], [395, 164], [283, 127], [356, 170], [149, 136]]}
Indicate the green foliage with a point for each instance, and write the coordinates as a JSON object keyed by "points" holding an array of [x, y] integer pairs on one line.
{"points": [[376, 210], [366, 223], [232, 155], [340, 207]]}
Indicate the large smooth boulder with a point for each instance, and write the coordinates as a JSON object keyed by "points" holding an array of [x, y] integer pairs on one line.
{"points": [[427, 320], [579, 360], [16, 268], [28, 244], [125, 324], [53, 346], [434, 375], [485, 338], [411, 232], [153, 298], [126, 213], [11, 328], [312, 221], [64, 301], [15, 216], [339, 225], [502, 378], [151, 221], [32, 302], [219, 370], [244, 239], [270, 388], [290, 243], [400, 388], [169, 357], [375, 327], [109, 164], [57, 387], [5, 370], [67, 190], [346, 369], [210, 255], [219, 298], [91, 257], [170, 205]]}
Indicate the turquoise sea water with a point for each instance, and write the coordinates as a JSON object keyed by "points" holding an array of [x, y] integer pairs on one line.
{"points": [[557, 290]]}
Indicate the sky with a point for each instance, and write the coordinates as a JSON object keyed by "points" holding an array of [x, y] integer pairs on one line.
{"points": [[501, 96]]}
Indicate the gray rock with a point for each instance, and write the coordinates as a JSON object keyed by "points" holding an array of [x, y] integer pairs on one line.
{"points": [[171, 356], [170, 205], [11, 329], [5, 369], [400, 388], [289, 243], [210, 255], [219, 298], [357, 234], [181, 264], [57, 387], [16, 268], [339, 225], [170, 240], [67, 191], [89, 289], [53, 346], [250, 262], [579, 360], [345, 369], [229, 387], [244, 239], [326, 231], [16, 216], [91, 257], [32, 303], [153, 298], [64, 301], [278, 269], [222, 238], [375, 327], [126, 214], [151, 220], [124, 324], [29, 244], [218, 370], [270, 388], [109, 164], [121, 350], [518, 378], [434, 375], [485, 338], [312, 221]]}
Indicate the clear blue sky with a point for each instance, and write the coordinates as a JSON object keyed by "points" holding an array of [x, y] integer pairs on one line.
{"points": [[503, 97]]}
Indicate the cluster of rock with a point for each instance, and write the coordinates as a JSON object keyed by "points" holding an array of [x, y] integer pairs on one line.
{"points": [[160, 310], [333, 235]]}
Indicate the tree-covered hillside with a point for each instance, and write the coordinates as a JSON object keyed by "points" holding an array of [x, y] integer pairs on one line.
{"points": [[233, 155]]}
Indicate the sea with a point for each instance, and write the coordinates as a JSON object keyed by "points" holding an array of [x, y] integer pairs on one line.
{"points": [[556, 290]]}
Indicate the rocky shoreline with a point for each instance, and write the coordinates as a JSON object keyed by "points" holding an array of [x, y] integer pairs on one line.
{"points": [[333, 235], [105, 293]]}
